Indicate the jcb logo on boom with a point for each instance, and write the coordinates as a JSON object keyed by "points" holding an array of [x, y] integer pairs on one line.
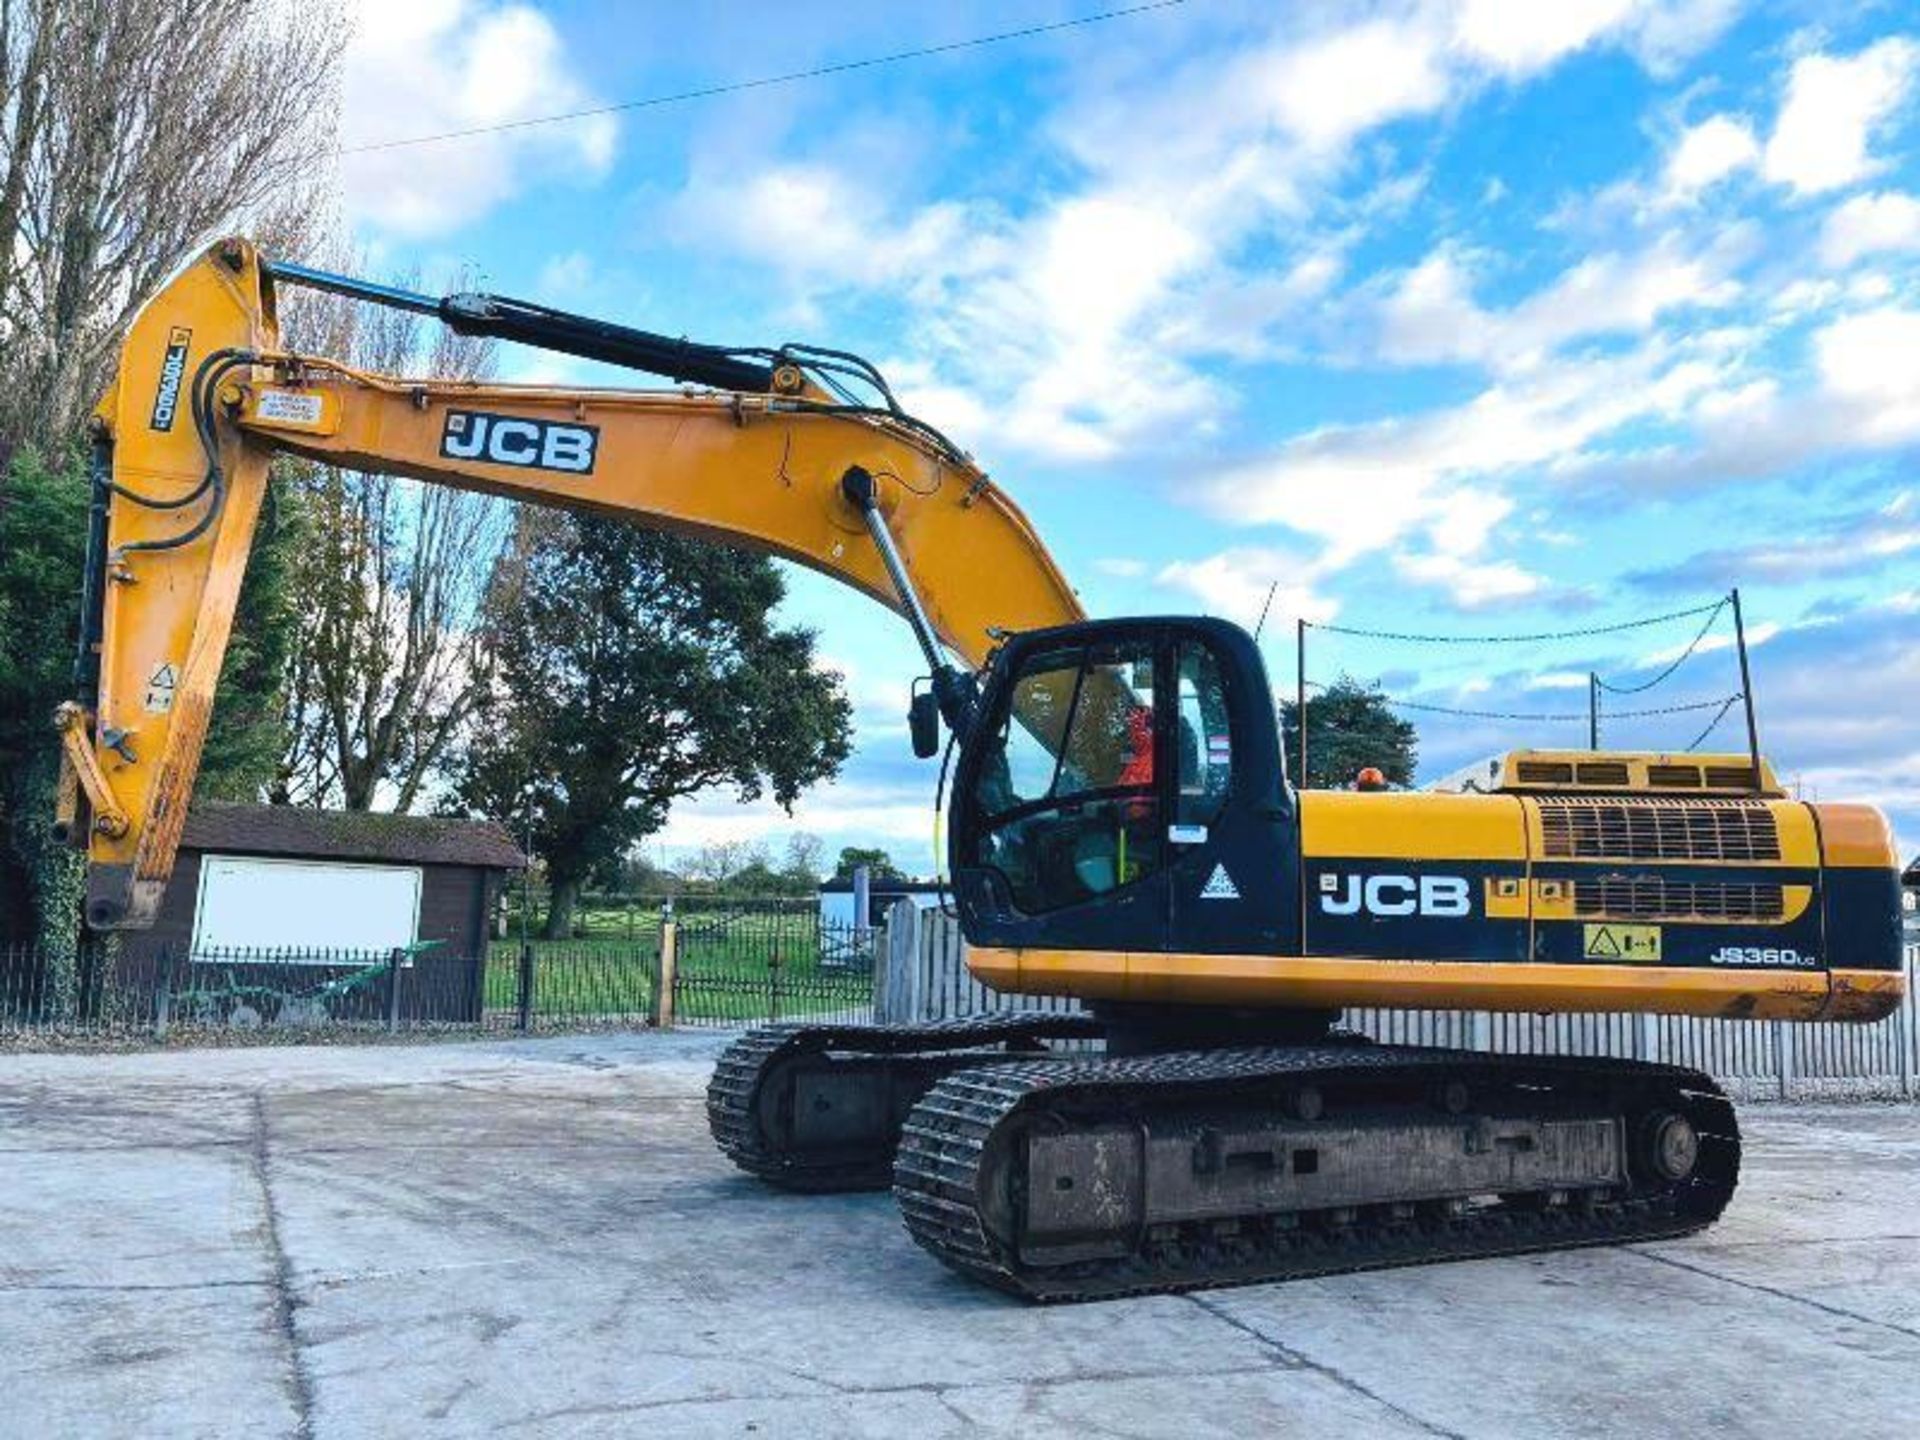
{"points": [[1441, 896], [516, 440], [173, 369]]}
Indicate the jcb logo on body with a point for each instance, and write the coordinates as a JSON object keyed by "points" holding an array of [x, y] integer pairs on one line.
{"points": [[517, 440], [1441, 896]]}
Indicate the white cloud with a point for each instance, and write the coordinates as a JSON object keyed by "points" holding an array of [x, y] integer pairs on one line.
{"points": [[1558, 680], [1832, 107], [1339, 85], [1121, 567], [430, 66], [1524, 35], [1471, 583], [1869, 224], [1708, 153], [1077, 317], [1432, 316], [811, 221], [1406, 471], [566, 275], [1870, 362], [1234, 585], [845, 812]]}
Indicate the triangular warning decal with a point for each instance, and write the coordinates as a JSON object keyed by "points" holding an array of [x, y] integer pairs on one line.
{"points": [[1219, 886], [1603, 945]]}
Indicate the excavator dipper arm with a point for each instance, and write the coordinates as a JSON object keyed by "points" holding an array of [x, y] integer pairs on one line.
{"points": [[205, 397]]}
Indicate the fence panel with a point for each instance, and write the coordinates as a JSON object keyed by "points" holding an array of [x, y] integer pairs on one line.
{"points": [[927, 979], [745, 966]]}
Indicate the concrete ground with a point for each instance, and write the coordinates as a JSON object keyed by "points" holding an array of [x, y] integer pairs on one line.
{"points": [[536, 1238]]}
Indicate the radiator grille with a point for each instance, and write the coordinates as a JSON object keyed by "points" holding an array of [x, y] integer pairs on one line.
{"points": [[1651, 898], [1591, 829]]}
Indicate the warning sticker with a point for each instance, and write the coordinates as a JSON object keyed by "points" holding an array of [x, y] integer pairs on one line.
{"points": [[160, 687], [289, 407], [1219, 886], [1622, 942]]}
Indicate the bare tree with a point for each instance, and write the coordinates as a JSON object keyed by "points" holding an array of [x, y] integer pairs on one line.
{"points": [[386, 667], [130, 132], [718, 861]]}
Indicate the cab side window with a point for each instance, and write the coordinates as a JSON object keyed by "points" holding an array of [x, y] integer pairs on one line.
{"points": [[1204, 742]]}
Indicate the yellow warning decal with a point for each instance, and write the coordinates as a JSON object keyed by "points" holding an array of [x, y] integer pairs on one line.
{"points": [[1622, 942]]}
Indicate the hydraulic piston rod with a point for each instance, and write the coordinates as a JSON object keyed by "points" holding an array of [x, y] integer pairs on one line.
{"points": [[957, 694]]}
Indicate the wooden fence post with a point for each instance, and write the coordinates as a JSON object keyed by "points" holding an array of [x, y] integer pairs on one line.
{"points": [[393, 990], [893, 988], [663, 993]]}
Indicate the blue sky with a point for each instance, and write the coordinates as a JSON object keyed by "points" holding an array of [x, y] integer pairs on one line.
{"points": [[1481, 318]]}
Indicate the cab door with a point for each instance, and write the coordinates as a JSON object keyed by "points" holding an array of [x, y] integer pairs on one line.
{"points": [[1233, 826], [1125, 793], [1059, 822]]}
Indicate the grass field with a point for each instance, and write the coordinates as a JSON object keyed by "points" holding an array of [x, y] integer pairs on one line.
{"points": [[731, 968]]}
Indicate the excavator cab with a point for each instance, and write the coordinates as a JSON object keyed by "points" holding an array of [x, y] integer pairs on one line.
{"points": [[1125, 779]]}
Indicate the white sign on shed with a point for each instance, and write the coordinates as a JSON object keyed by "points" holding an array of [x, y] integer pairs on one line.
{"points": [[251, 903]]}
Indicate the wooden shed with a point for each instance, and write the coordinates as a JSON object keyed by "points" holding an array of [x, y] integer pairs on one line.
{"points": [[282, 877]]}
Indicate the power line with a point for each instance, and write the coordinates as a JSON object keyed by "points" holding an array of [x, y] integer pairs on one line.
{"points": [[1581, 633], [764, 82], [1678, 661], [1714, 724], [1567, 716], [1561, 717]]}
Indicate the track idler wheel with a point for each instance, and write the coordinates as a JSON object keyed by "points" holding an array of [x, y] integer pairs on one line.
{"points": [[1667, 1145]]}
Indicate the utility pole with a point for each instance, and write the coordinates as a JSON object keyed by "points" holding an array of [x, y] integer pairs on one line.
{"points": [[1593, 711], [1746, 687], [1300, 696]]}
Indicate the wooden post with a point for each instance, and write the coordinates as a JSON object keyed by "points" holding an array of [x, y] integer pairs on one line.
{"points": [[663, 994], [393, 990], [1593, 711], [1746, 687], [1300, 697], [893, 978]]}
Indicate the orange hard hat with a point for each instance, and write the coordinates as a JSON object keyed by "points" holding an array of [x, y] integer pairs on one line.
{"points": [[1371, 777]]}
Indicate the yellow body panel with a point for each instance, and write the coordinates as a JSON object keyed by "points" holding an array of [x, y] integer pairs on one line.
{"points": [[1394, 825], [1856, 837], [1152, 977]]}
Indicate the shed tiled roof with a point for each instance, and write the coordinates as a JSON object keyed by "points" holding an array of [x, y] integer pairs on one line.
{"points": [[224, 827]]}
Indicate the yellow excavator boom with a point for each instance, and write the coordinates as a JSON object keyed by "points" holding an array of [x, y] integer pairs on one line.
{"points": [[203, 379]]}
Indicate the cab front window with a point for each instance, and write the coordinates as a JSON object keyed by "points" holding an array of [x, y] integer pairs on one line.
{"points": [[1066, 801]]}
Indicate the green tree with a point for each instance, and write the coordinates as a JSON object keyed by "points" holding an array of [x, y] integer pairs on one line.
{"points": [[632, 668], [877, 861], [248, 731], [43, 529], [1349, 726]]}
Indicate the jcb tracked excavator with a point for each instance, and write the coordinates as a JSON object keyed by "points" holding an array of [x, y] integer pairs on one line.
{"points": [[1122, 831]]}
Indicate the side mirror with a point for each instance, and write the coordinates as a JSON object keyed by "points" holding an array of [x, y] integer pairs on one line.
{"points": [[923, 721]]}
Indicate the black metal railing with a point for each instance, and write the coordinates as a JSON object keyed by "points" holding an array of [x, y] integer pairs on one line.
{"points": [[729, 969]]}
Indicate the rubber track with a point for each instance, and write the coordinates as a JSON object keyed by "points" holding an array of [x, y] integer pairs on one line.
{"points": [[947, 1138], [733, 1090]]}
